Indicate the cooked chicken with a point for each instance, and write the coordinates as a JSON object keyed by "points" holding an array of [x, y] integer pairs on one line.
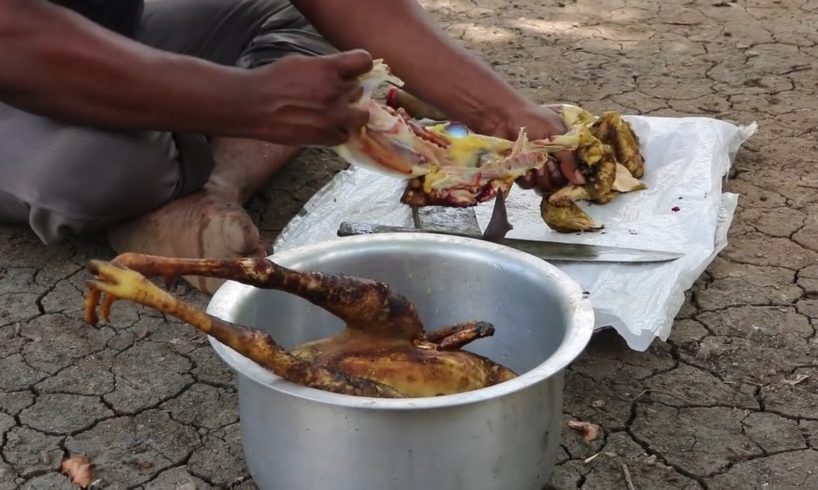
{"points": [[383, 351], [609, 157], [448, 165]]}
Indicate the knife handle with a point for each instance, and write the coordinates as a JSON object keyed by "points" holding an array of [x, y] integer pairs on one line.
{"points": [[349, 229], [397, 98]]}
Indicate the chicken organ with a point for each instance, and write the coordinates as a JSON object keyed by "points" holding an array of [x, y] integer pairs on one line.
{"points": [[383, 351], [448, 165]]}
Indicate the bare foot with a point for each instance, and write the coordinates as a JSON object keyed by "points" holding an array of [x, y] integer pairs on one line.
{"points": [[243, 166], [201, 225], [210, 223]]}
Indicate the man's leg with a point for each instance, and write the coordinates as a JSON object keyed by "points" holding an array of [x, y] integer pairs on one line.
{"points": [[246, 33], [70, 180], [65, 181]]}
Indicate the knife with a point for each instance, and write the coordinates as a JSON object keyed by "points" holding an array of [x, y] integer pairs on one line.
{"points": [[556, 251]]}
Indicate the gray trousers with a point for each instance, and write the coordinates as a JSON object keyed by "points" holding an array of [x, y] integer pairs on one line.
{"points": [[66, 180]]}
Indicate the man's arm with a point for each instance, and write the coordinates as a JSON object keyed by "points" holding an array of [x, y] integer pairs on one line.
{"points": [[436, 69], [56, 63]]}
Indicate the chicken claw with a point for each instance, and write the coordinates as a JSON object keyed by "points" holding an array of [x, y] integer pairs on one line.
{"points": [[456, 336]]}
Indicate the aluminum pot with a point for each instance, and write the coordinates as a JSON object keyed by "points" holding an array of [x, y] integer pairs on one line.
{"points": [[504, 437]]}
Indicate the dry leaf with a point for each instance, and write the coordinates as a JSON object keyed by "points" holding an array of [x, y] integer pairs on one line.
{"points": [[79, 470], [588, 430]]}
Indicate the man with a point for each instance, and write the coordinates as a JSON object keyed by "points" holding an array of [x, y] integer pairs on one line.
{"points": [[155, 121]]}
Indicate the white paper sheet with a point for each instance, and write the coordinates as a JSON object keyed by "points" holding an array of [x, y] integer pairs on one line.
{"points": [[683, 209]]}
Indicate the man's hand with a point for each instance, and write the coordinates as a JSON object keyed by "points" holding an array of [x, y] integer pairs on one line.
{"points": [[309, 101], [441, 72], [540, 123]]}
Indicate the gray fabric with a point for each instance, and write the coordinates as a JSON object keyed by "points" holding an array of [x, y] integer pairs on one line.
{"points": [[122, 16], [65, 180]]}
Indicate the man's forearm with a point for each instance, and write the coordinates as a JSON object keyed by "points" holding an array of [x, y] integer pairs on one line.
{"points": [[434, 67], [56, 63]]}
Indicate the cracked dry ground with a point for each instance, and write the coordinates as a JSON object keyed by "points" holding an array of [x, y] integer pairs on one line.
{"points": [[730, 401]]}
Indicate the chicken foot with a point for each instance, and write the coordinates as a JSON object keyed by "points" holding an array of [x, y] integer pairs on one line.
{"points": [[456, 336], [119, 282], [362, 304]]}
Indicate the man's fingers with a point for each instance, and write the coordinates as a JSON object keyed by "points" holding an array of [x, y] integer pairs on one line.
{"points": [[570, 167], [537, 180], [526, 181], [334, 137], [353, 63], [556, 177], [347, 118], [355, 94], [543, 182], [356, 118], [555, 107], [568, 163]]}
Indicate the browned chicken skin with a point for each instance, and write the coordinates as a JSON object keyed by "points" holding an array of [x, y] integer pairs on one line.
{"points": [[611, 160], [384, 350]]}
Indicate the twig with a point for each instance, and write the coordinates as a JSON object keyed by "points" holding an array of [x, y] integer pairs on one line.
{"points": [[800, 378], [738, 454], [642, 393], [627, 474], [590, 458]]}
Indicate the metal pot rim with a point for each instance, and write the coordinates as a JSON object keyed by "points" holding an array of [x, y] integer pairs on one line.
{"points": [[578, 332]]}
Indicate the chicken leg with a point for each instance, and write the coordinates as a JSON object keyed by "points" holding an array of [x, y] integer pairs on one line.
{"points": [[122, 283], [382, 352], [361, 303]]}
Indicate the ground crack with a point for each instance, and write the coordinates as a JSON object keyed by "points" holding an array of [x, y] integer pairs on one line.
{"points": [[744, 459], [653, 452]]}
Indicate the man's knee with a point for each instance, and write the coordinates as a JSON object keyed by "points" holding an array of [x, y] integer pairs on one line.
{"points": [[215, 30], [104, 175], [79, 181], [73, 181], [246, 33], [285, 31]]}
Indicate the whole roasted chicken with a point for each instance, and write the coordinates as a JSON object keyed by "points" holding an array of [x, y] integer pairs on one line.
{"points": [[383, 351], [448, 165]]}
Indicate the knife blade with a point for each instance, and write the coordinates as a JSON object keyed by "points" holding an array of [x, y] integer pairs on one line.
{"points": [[556, 251]]}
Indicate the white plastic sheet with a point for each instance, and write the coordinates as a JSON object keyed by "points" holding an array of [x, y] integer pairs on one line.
{"points": [[683, 209]]}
